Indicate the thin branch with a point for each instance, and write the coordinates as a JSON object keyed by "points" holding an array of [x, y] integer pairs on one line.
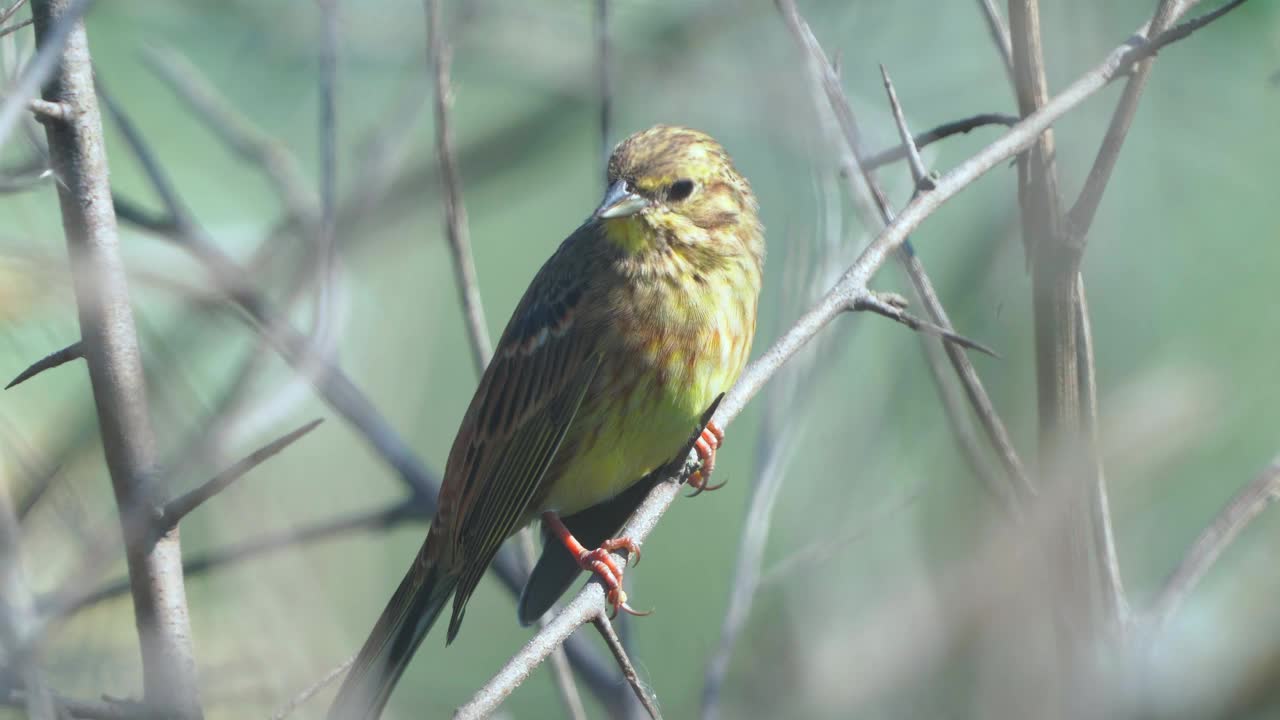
{"points": [[241, 136], [176, 509], [74, 351], [604, 82], [999, 32], [111, 349], [1015, 484], [1080, 217], [1242, 509], [326, 239], [50, 40], [893, 307], [611, 639], [455, 213], [15, 28], [320, 369], [11, 11], [918, 171], [311, 690], [941, 132], [590, 601]]}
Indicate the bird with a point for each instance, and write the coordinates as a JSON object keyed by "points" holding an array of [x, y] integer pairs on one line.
{"points": [[640, 321]]}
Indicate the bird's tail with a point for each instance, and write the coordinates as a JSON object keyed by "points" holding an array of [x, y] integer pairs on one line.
{"points": [[406, 620]]}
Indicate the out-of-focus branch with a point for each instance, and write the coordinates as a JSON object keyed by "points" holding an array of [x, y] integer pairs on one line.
{"points": [[455, 212], [78, 157], [1015, 484], [50, 40], [1247, 505], [590, 601], [341, 394], [235, 131], [17, 616], [311, 690], [74, 351], [1067, 454], [999, 32], [604, 82], [176, 509]]}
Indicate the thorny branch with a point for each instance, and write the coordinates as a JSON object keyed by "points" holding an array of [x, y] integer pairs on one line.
{"points": [[111, 351]]}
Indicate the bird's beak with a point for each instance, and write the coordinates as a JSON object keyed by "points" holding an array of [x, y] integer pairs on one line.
{"points": [[620, 201]]}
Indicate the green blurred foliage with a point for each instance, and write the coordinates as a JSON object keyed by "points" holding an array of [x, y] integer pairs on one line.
{"points": [[1180, 272]]}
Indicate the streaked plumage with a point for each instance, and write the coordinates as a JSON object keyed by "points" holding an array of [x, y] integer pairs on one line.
{"points": [[624, 338]]}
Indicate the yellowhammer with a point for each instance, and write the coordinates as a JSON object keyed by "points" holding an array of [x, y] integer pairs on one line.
{"points": [[625, 337]]}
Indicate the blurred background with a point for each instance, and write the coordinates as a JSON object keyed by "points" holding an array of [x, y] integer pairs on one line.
{"points": [[880, 528]]}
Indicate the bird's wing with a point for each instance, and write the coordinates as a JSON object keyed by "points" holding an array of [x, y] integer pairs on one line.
{"points": [[529, 395]]}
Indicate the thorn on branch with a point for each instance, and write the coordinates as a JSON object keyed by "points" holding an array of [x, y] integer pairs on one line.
{"points": [[174, 510], [74, 351], [893, 306]]}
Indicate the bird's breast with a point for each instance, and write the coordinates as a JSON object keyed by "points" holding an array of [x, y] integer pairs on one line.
{"points": [[668, 350]]}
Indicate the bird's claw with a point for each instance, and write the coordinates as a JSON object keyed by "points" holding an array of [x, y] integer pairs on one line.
{"points": [[708, 442], [602, 562]]}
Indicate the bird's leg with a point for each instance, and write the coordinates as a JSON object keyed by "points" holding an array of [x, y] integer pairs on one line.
{"points": [[708, 442], [599, 561]]}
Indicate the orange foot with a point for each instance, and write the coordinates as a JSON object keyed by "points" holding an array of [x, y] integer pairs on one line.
{"points": [[711, 439], [600, 561]]}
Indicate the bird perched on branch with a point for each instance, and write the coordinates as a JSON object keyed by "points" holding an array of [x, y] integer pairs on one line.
{"points": [[624, 339]]}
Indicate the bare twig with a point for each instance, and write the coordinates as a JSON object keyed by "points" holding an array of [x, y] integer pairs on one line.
{"points": [[311, 690], [941, 132], [115, 368], [611, 639], [176, 509], [11, 11], [50, 40], [1243, 508], [590, 601], [74, 351], [455, 213], [893, 307], [918, 172]]}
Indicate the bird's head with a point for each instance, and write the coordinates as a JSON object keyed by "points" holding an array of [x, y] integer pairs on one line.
{"points": [[676, 186]]}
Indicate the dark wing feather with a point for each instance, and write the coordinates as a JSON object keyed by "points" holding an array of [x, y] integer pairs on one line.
{"points": [[527, 399]]}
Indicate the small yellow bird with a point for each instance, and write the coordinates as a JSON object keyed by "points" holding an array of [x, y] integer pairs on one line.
{"points": [[625, 337]]}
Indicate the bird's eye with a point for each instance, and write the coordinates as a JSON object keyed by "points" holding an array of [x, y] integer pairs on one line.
{"points": [[679, 190]]}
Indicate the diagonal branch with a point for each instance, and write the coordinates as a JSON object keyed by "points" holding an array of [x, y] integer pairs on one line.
{"points": [[1247, 505]]}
